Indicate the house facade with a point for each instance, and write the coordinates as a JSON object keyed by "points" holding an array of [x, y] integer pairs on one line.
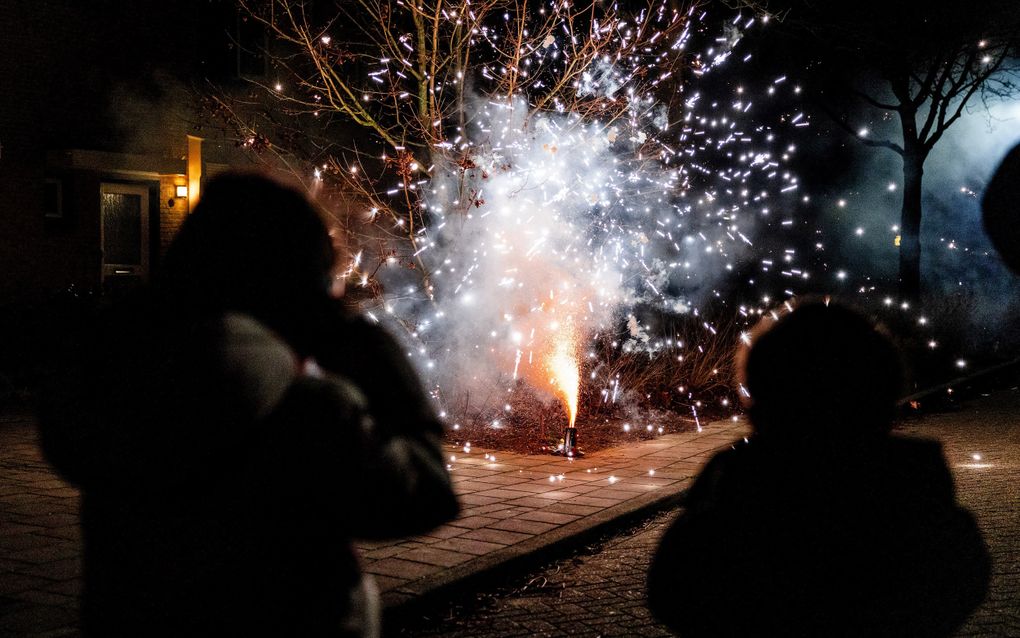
{"points": [[101, 155]]}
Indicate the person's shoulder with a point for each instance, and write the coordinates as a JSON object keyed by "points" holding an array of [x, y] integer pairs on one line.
{"points": [[918, 448], [725, 467], [920, 464], [740, 453], [330, 392]]}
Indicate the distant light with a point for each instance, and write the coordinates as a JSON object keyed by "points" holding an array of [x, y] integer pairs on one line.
{"points": [[841, 275], [961, 363], [891, 187], [278, 87], [863, 132], [859, 232], [326, 39]]}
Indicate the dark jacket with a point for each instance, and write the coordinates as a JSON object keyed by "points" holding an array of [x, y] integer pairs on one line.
{"points": [[863, 540], [221, 483]]}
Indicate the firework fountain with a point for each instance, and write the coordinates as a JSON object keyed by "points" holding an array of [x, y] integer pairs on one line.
{"points": [[549, 172], [546, 226]]}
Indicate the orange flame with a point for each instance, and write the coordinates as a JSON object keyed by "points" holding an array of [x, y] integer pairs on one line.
{"points": [[562, 363]]}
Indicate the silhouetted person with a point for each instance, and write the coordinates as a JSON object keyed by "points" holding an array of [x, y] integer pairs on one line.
{"points": [[1001, 207], [233, 428], [822, 523]]}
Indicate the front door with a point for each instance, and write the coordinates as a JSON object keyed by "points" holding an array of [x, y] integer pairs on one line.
{"points": [[124, 234]]}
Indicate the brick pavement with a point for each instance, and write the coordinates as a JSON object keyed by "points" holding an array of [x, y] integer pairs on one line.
{"points": [[514, 505], [589, 595], [982, 444], [600, 591], [40, 542]]}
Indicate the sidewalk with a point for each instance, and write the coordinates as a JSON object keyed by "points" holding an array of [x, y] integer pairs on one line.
{"points": [[598, 588], [514, 506]]}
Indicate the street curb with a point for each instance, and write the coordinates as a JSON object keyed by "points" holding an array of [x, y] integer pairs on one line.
{"points": [[426, 593], [421, 596], [957, 382]]}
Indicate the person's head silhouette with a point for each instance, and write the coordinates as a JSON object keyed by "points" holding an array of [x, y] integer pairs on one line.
{"points": [[820, 373], [253, 245], [1001, 208]]}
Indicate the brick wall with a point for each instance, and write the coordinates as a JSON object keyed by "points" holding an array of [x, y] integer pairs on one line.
{"points": [[170, 217]]}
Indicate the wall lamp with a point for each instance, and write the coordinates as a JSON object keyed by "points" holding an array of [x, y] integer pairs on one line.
{"points": [[180, 192]]}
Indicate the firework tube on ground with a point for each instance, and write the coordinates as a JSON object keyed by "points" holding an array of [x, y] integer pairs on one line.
{"points": [[567, 379]]}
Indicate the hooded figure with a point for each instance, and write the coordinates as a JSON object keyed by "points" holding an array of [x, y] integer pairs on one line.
{"points": [[822, 523], [1001, 209], [232, 428]]}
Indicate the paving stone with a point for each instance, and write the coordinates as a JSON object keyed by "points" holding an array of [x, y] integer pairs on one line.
{"points": [[65, 569], [503, 493], [11, 583], [510, 512], [35, 619], [383, 552], [469, 546], [399, 568], [434, 556], [503, 479], [548, 517], [473, 522], [572, 508], [530, 501], [475, 499], [386, 583], [524, 526], [536, 487], [593, 500], [497, 536], [446, 531]]}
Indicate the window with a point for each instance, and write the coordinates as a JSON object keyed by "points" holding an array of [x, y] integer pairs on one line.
{"points": [[53, 198]]}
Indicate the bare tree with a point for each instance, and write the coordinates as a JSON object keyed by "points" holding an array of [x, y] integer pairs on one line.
{"points": [[372, 93], [921, 65]]}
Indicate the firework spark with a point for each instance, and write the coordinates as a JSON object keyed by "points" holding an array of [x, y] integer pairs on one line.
{"points": [[547, 225]]}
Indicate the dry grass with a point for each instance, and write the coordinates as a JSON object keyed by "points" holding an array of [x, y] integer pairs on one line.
{"points": [[667, 384]]}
